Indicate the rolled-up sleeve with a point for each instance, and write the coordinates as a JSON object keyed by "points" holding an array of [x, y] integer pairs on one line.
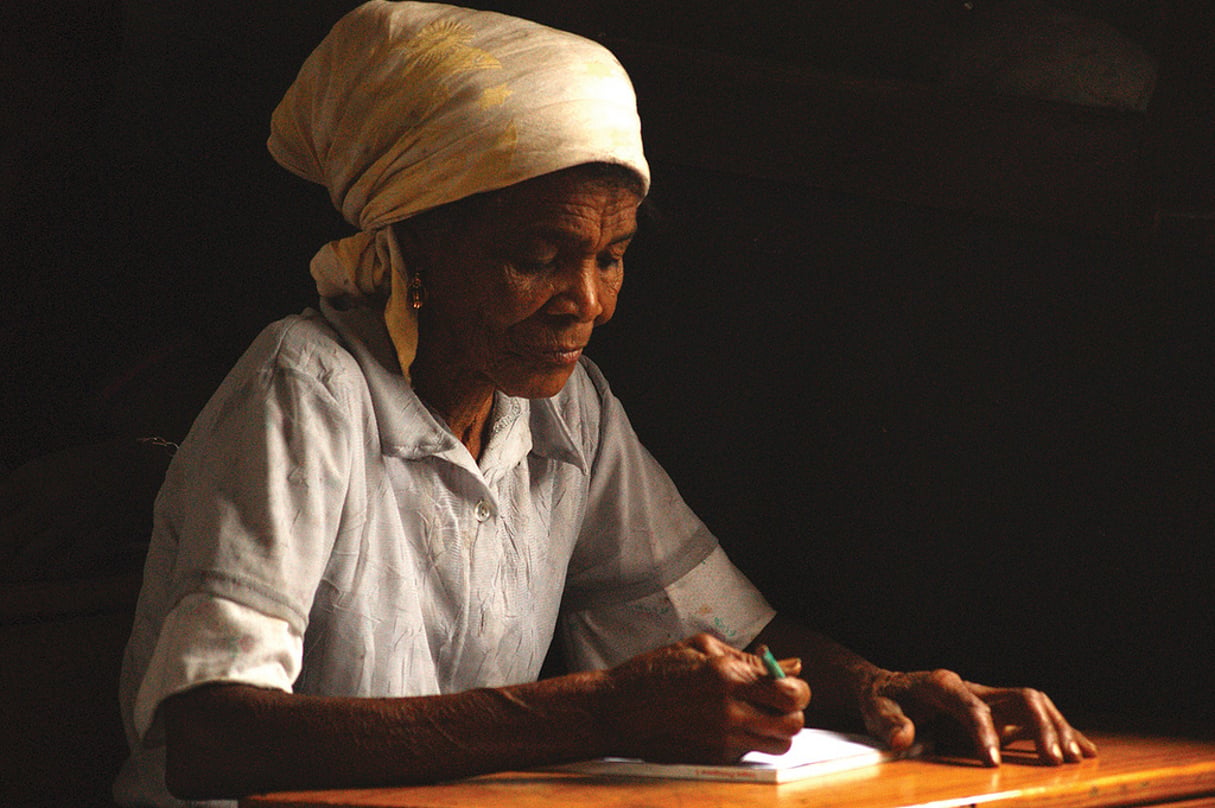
{"points": [[270, 478], [211, 639], [253, 503]]}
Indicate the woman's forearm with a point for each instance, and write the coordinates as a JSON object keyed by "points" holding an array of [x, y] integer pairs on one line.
{"points": [[227, 740]]}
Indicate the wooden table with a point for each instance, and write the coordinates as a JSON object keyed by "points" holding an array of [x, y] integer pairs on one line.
{"points": [[1131, 771]]}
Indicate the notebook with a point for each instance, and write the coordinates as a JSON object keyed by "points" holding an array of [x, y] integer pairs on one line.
{"points": [[814, 752]]}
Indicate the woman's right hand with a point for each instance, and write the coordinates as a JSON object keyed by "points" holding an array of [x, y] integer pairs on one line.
{"points": [[701, 700]]}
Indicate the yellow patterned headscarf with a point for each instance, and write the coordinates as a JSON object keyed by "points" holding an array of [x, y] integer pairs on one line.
{"points": [[406, 106]]}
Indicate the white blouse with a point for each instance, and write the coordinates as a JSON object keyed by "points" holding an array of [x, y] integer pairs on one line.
{"points": [[322, 531]]}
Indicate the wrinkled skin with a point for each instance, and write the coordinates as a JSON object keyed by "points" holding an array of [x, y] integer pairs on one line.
{"points": [[696, 700], [514, 291], [701, 700], [895, 706], [992, 717]]}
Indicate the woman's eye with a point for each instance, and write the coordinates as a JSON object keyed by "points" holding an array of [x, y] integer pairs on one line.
{"points": [[535, 267], [537, 262]]}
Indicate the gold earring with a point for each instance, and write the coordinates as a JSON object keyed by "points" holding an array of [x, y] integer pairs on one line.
{"points": [[416, 293]]}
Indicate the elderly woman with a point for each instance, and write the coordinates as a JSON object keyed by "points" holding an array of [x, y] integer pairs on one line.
{"points": [[393, 506]]}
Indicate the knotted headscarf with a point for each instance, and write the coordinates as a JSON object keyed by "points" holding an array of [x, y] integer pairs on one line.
{"points": [[406, 106]]}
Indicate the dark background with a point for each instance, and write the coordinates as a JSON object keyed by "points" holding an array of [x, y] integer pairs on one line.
{"points": [[931, 357]]}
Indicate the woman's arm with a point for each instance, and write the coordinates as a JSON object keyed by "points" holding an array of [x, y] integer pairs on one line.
{"points": [[853, 693], [227, 740], [698, 700]]}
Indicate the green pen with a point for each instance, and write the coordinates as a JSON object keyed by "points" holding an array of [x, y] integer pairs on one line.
{"points": [[774, 668]]}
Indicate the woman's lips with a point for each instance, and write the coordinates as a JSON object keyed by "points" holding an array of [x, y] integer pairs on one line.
{"points": [[562, 355]]}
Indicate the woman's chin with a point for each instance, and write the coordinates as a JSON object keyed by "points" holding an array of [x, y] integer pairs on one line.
{"points": [[539, 384]]}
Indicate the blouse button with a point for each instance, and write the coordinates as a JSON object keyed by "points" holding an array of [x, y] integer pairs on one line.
{"points": [[482, 511]]}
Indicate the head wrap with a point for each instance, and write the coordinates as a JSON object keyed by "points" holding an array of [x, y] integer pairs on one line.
{"points": [[406, 106]]}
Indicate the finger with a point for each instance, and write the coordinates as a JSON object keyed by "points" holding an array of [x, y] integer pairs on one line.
{"points": [[771, 727], [711, 646], [769, 745], [1034, 712], [1039, 721], [761, 662], [885, 720], [1050, 747], [764, 731], [1074, 746], [787, 695], [946, 690], [1069, 746], [1087, 748]]}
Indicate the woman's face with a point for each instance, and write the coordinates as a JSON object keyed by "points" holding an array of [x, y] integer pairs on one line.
{"points": [[514, 292]]}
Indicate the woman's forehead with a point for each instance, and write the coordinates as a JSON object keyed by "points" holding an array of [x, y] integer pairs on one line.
{"points": [[578, 180], [564, 204]]}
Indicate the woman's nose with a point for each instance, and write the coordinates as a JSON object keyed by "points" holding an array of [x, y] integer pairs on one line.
{"points": [[582, 295]]}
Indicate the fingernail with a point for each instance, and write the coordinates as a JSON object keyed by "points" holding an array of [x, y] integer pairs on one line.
{"points": [[993, 756], [1075, 747], [1056, 751]]}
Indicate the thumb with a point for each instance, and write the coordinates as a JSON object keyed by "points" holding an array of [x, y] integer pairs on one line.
{"points": [[886, 721]]}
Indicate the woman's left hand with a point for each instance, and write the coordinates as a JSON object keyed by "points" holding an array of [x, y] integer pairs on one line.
{"points": [[893, 704]]}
